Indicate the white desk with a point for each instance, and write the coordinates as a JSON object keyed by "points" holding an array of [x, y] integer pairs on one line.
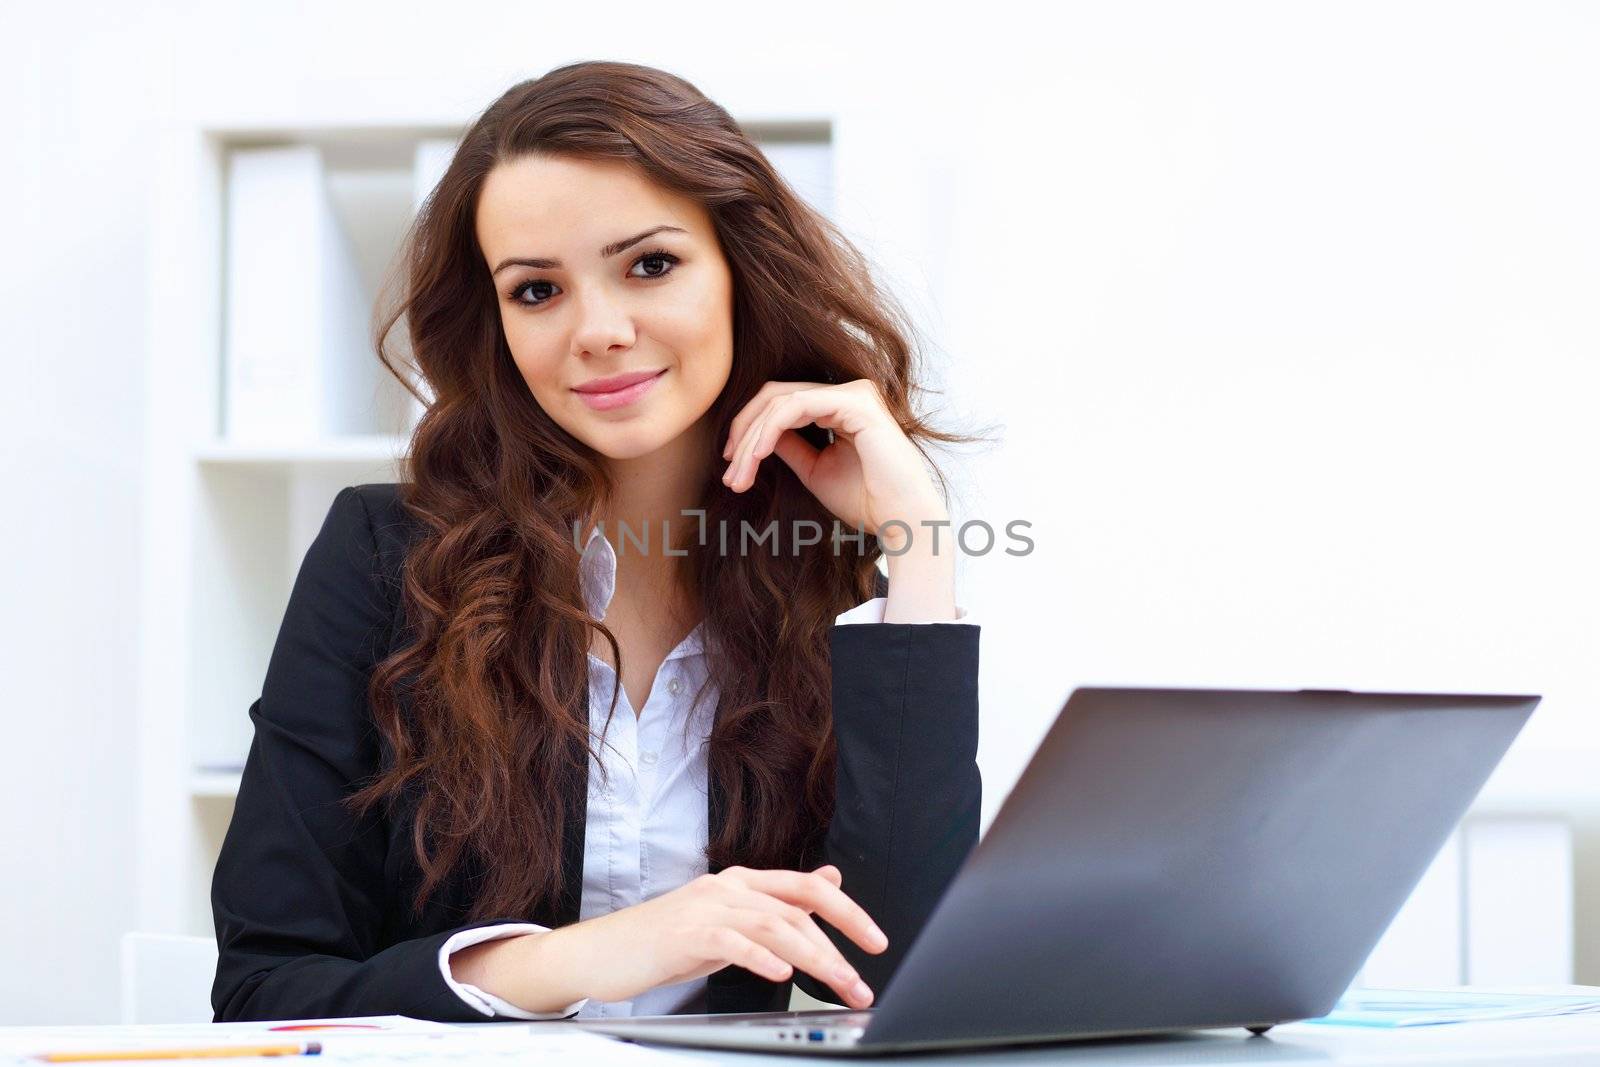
{"points": [[1566, 1041]]}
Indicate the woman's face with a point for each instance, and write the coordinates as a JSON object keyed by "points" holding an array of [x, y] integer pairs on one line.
{"points": [[599, 273]]}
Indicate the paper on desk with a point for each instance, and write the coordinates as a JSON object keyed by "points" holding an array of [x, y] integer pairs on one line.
{"points": [[1432, 1007], [394, 1041], [28, 1040], [499, 1045], [221, 1033]]}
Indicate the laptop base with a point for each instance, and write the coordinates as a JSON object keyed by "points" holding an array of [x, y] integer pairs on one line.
{"points": [[830, 1032]]}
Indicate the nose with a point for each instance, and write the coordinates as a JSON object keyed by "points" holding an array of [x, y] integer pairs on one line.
{"points": [[604, 325]]}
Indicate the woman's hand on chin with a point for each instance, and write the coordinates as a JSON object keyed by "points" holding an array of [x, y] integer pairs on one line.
{"points": [[869, 475]]}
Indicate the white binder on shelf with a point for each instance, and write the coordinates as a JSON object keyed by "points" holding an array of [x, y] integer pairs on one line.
{"points": [[432, 158], [1519, 908], [808, 167], [297, 365]]}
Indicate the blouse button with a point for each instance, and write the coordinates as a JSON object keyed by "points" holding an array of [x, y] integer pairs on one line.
{"points": [[674, 687], [647, 758]]}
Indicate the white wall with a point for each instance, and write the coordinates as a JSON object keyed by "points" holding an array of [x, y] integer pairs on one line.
{"points": [[1309, 321], [1287, 311], [75, 106]]}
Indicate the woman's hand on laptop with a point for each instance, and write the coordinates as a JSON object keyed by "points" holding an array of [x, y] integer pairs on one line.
{"points": [[758, 919]]}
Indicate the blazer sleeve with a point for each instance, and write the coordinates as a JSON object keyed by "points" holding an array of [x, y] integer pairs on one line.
{"points": [[299, 893], [908, 793]]}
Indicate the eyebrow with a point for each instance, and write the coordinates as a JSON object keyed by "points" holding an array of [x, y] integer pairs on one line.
{"points": [[539, 263]]}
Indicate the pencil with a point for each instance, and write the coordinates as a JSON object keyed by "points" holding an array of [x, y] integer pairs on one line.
{"points": [[308, 1048]]}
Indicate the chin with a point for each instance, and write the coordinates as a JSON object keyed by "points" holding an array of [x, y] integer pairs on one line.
{"points": [[628, 444]]}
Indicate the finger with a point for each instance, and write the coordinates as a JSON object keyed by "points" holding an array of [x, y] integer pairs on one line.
{"points": [[831, 873], [736, 442], [743, 474], [728, 945], [779, 415], [816, 893], [827, 406], [826, 966], [742, 419], [756, 413], [795, 916], [741, 452], [753, 409], [748, 414]]}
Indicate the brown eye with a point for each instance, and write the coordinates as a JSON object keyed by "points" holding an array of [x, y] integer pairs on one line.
{"points": [[659, 255], [519, 290]]}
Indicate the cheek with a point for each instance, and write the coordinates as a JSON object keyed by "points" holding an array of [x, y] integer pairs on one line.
{"points": [[700, 330], [684, 326], [533, 356]]}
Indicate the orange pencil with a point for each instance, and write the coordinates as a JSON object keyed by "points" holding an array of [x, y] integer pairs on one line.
{"points": [[308, 1048]]}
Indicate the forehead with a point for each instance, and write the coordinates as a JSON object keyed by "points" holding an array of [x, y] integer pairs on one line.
{"points": [[564, 207]]}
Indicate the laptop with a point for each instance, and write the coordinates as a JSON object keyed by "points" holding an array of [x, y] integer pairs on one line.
{"points": [[1170, 859]]}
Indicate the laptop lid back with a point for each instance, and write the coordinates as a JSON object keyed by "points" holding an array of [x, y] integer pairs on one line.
{"points": [[1176, 858]]}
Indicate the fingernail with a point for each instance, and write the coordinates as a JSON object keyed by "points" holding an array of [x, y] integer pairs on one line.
{"points": [[861, 991], [878, 937]]}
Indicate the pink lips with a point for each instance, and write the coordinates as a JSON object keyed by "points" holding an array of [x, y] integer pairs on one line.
{"points": [[604, 394]]}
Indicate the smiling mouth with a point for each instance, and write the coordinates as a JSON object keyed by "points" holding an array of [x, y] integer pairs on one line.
{"points": [[619, 398], [626, 382]]}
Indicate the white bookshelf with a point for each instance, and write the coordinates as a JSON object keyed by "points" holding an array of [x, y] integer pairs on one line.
{"points": [[1494, 908], [350, 448], [214, 785], [266, 398]]}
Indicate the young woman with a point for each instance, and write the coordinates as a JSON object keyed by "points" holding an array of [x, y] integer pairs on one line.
{"points": [[658, 377]]}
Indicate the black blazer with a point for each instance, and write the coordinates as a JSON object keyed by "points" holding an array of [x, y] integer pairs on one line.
{"points": [[312, 907]]}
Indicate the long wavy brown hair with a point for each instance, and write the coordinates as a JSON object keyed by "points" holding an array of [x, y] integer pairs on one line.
{"points": [[482, 704]]}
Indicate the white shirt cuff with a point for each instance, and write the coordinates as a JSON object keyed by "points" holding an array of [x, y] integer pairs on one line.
{"points": [[872, 611], [483, 1000]]}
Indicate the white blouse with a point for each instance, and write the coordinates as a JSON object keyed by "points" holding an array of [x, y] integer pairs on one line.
{"points": [[646, 823]]}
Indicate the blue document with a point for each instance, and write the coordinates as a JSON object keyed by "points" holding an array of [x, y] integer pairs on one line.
{"points": [[1427, 1007]]}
